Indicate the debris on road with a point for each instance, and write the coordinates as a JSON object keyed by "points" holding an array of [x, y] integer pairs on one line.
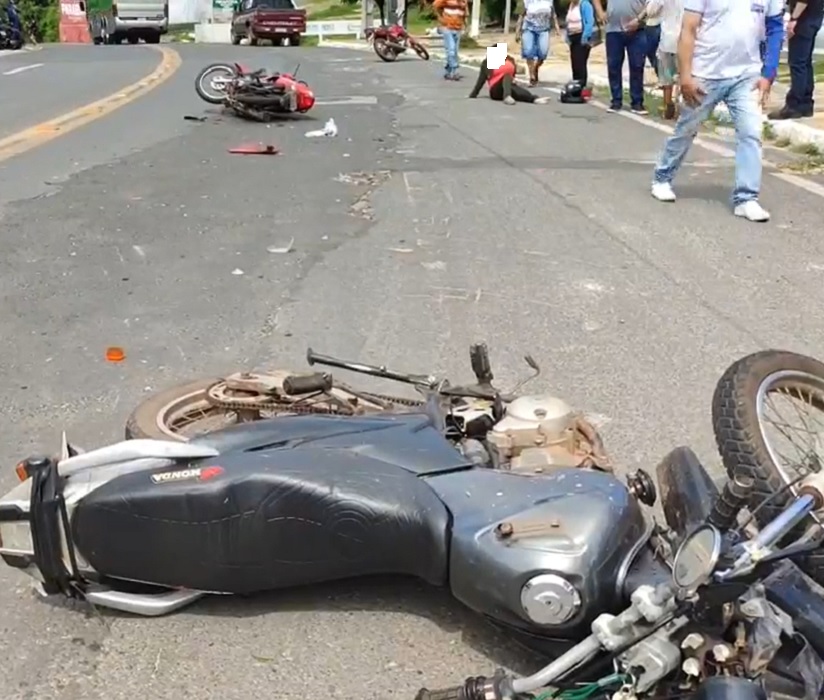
{"points": [[255, 149], [282, 250], [193, 118], [329, 129], [237, 271]]}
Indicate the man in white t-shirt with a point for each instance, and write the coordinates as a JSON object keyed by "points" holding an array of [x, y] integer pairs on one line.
{"points": [[719, 60]]}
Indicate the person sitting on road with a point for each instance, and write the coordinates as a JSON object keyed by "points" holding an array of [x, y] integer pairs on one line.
{"points": [[502, 85]]}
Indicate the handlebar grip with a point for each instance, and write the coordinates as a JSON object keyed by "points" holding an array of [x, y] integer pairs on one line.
{"points": [[295, 385], [456, 693]]}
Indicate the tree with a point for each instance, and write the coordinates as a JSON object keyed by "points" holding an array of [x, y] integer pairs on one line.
{"points": [[40, 19]]}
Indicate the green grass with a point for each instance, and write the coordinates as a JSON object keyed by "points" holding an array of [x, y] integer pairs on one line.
{"points": [[337, 11], [818, 70]]}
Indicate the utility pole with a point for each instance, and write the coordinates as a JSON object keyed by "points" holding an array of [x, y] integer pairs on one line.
{"points": [[507, 15], [475, 26]]}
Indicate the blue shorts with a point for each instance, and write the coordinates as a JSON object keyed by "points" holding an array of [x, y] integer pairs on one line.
{"points": [[535, 45]]}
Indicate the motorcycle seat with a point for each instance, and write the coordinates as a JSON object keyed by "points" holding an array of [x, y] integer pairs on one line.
{"points": [[265, 519]]}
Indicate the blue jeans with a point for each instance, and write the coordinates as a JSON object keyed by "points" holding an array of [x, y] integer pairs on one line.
{"points": [[634, 44], [800, 57], [653, 37], [534, 45], [741, 99], [451, 44]]}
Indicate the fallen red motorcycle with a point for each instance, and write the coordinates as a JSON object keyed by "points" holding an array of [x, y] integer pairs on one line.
{"points": [[257, 95], [391, 41]]}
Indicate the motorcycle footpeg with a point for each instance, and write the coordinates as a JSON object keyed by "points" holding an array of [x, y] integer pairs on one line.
{"points": [[456, 693]]}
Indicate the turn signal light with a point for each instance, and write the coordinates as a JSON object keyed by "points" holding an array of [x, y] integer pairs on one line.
{"points": [[22, 471]]}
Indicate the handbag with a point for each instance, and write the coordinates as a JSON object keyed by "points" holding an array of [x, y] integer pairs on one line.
{"points": [[596, 37]]}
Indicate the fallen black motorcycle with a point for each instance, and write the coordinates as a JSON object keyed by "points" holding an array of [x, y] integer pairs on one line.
{"points": [[509, 501]]}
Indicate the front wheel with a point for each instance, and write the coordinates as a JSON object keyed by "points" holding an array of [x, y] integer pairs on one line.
{"points": [[420, 49], [768, 419], [211, 82]]}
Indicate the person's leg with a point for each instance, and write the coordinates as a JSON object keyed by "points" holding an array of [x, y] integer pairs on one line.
{"points": [[810, 29], [451, 51], [745, 112], [799, 58], [637, 58], [615, 68], [667, 68], [521, 94], [496, 92], [653, 38], [585, 64], [529, 51], [575, 47], [457, 56], [677, 146], [542, 51]]}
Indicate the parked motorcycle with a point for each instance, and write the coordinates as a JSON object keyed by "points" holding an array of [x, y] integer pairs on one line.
{"points": [[256, 94], [391, 41], [11, 29]]}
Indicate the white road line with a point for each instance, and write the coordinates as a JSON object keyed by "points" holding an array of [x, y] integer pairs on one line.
{"points": [[15, 71]]}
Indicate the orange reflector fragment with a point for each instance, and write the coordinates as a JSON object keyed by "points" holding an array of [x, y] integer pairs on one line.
{"points": [[115, 354], [20, 470]]}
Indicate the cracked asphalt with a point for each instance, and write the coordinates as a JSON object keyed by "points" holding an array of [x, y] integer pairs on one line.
{"points": [[431, 221]]}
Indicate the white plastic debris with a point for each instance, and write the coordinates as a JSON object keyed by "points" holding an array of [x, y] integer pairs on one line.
{"points": [[329, 129], [282, 249], [237, 271]]}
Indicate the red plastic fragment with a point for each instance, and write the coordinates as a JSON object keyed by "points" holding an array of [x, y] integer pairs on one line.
{"points": [[255, 149]]}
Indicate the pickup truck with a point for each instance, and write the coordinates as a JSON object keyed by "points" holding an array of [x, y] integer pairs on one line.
{"points": [[272, 20]]}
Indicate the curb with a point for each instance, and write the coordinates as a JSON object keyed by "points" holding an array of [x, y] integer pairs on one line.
{"points": [[796, 133]]}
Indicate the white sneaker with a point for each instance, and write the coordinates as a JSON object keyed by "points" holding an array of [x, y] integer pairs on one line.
{"points": [[542, 100], [509, 100], [752, 211], [662, 191]]}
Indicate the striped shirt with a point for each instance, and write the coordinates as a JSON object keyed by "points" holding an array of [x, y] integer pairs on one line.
{"points": [[452, 13]]}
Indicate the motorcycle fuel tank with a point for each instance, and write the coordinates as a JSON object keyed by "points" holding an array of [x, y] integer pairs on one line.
{"points": [[544, 554]]}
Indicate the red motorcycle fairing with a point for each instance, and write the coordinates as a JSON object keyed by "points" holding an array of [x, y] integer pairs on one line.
{"points": [[305, 96]]}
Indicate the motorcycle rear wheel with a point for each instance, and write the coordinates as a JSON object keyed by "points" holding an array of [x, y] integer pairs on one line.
{"points": [[171, 414], [210, 94], [384, 51], [740, 409]]}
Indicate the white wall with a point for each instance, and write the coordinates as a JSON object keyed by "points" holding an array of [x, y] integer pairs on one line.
{"points": [[189, 11]]}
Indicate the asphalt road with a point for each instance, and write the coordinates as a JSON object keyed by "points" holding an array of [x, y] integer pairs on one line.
{"points": [[530, 227], [40, 85]]}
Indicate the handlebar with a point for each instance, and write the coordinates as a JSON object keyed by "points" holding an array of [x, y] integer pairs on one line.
{"points": [[429, 382]]}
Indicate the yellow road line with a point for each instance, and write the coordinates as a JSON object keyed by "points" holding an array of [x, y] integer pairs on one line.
{"points": [[42, 133]]}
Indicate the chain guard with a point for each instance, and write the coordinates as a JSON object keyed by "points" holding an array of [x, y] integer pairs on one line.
{"points": [[320, 403]]}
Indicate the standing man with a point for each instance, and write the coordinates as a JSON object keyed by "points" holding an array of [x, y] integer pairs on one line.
{"points": [[719, 60], [625, 36], [805, 22], [452, 18]]}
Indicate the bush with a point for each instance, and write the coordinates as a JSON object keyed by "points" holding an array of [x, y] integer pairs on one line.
{"points": [[40, 19]]}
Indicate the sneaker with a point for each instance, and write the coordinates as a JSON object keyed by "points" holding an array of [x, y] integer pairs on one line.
{"points": [[662, 191], [541, 100], [614, 108], [752, 211], [509, 100], [640, 111]]}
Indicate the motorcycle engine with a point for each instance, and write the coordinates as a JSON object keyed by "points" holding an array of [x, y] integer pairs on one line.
{"points": [[537, 433]]}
